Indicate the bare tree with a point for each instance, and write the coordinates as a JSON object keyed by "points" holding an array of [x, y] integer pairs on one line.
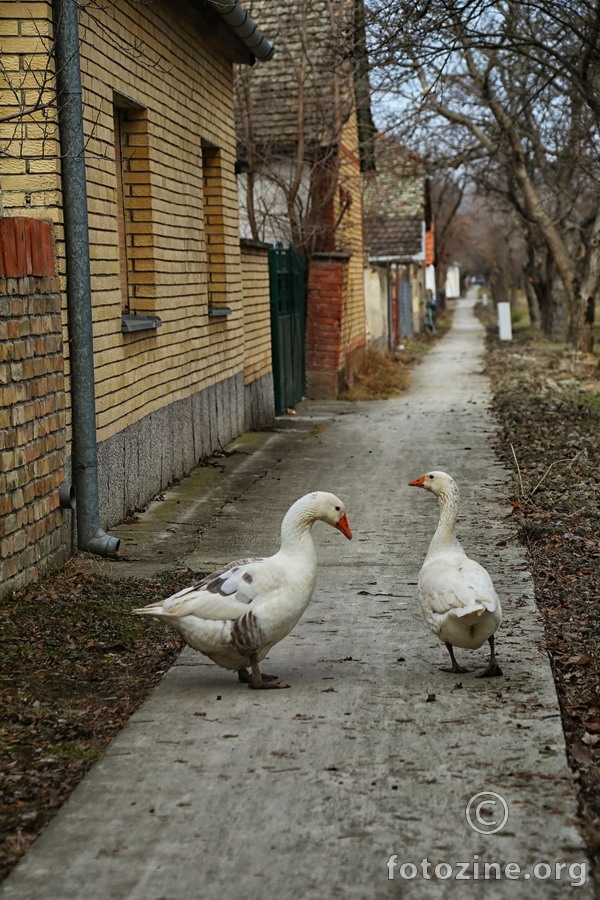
{"points": [[510, 87], [292, 119], [447, 192]]}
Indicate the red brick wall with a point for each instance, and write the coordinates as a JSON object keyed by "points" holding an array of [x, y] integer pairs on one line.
{"points": [[429, 247], [32, 402], [327, 280]]}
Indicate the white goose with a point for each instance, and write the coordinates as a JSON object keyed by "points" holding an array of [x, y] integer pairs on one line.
{"points": [[234, 616], [456, 594]]}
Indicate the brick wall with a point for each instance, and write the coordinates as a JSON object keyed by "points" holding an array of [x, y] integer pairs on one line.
{"points": [[327, 285], [32, 406], [258, 360], [308, 35], [350, 239], [257, 310], [183, 207], [178, 91], [29, 142]]}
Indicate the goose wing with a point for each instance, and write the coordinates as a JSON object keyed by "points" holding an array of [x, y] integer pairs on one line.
{"points": [[224, 594], [460, 585]]}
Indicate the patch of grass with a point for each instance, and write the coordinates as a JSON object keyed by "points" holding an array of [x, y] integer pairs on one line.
{"points": [[591, 401], [379, 378]]}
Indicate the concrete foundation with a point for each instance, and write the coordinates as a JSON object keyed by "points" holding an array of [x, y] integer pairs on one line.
{"points": [[138, 463]]}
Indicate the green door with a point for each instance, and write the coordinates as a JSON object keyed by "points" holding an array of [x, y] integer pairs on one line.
{"points": [[288, 325]]}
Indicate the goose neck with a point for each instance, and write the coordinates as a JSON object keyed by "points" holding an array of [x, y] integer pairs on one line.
{"points": [[296, 531], [445, 534]]}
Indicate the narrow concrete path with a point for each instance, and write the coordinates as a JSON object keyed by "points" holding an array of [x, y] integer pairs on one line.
{"points": [[213, 791]]}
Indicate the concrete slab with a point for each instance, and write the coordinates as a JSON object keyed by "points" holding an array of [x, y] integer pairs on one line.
{"points": [[214, 791]]}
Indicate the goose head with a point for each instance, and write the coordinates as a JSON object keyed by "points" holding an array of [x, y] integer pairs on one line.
{"points": [[332, 510], [318, 506], [439, 483]]}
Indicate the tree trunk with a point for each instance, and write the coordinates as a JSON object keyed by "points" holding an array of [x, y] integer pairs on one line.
{"points": [[585, 301], [555, 311], [498, 286], [441, 273], [535, 317], [581, 335], [588, 327]]}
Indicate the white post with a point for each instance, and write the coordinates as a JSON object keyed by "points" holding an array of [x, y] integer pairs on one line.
{"points": [[504, 322]]}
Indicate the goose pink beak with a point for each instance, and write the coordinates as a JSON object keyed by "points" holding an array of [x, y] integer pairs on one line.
{"points": [[418, 482], [343, 526]]}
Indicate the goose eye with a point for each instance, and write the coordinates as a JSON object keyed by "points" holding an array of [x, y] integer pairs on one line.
{"points": [[431, 477], [337, 509]]}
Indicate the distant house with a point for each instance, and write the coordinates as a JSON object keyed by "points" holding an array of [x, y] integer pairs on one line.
{"points": [[304, 141], [399, 244], [175, 359]]}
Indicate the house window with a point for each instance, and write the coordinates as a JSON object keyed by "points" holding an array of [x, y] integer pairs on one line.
{"points": [[134, 209], [214, 230]]}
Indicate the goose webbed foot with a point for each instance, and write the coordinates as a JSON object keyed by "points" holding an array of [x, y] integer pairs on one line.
{"points": [[458, 670], [492, 670], [246, 678], [265, 685], [259, 681]]}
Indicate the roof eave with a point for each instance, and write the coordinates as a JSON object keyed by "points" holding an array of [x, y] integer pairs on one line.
{"points": [[246, 30]]}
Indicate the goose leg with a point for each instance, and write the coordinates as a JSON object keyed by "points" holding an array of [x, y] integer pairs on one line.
{"points": [[257, 681], [455, 666], [493, 669]]}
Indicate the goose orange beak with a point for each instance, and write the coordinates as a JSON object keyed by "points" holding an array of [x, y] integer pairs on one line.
{"points": [[343, 526], [418, 482]]}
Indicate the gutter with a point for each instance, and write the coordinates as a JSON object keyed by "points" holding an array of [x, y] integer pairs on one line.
{"points": [[376, 260], [79, 294], [240, 22]]}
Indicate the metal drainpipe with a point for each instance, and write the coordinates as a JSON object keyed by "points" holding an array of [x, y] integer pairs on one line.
{"points": [[79, 300], [390, 301]]}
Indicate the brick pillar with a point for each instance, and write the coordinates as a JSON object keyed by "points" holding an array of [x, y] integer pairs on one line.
{"points": [[327, 278], [32, 403]]}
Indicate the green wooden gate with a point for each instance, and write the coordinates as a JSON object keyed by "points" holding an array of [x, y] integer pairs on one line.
{"points": [[288, 325]]}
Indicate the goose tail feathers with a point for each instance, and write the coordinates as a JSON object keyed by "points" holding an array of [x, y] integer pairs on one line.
{"points": [[476, 609]]}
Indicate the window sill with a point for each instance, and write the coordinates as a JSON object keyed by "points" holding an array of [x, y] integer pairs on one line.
{"points": [[139, 323]]}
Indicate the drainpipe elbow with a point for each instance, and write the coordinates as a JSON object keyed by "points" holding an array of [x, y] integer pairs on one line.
{"points": [[102, 544]]}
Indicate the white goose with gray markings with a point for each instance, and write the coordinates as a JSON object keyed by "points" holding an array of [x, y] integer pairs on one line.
{"points": [[234, 616]]}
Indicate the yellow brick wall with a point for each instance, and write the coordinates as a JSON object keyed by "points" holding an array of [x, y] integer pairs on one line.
{"points": [[185, 88], [257, 312], [29, 183], [349, 237]]}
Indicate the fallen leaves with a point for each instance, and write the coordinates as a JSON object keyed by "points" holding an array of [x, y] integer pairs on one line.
{"points": [[74, 666], [549, 437]]}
